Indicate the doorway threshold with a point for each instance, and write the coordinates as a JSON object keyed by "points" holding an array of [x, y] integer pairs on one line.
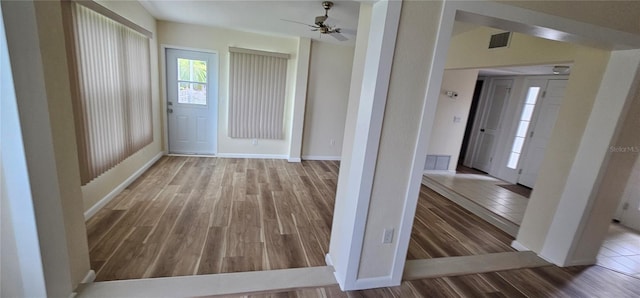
{"points": [[479, 195]]}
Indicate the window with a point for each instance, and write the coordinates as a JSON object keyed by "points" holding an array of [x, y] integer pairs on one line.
{"points": [[111, 88], [523, 127], [192, 81], [257, 90]]}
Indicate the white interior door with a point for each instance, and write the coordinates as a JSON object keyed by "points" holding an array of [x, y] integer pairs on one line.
{"points": [[192, 101], [497, 99], [545, 114], [631, 210]]}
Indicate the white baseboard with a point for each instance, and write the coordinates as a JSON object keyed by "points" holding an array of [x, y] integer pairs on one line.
{"points": [[374, 282], [438, 172], [581, 262], [260, 156], [95, 208], [294, 159], [89, 278], [327, 260], [518, 246], [319, 157]]}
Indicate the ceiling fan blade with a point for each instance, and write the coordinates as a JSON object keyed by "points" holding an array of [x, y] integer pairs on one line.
{"points": [[349, 31], [338, 36], [301, 23]]}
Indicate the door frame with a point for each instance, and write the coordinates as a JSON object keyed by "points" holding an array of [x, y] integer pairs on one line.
{"points": [[163, 92]]}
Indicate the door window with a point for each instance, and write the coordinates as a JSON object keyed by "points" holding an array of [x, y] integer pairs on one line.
{"points": [[523, 127], [192, 81]]}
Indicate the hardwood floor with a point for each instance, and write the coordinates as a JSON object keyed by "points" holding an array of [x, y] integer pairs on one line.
{"points": [[198, 215], [441, 228], [550, 281]]}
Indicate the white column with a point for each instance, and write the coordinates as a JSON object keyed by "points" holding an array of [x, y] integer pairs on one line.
{"points": [[300, 99], [580, 192], [358, 165]]}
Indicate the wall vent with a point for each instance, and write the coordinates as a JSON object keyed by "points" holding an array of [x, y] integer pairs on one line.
{"points": [[500, 40], [437, 162]]}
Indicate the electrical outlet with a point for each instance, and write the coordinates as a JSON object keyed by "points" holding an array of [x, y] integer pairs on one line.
{"points": [[332, 142], [387, 237], [254, 142]]}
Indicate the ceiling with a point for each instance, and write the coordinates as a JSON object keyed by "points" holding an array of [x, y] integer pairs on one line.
{"points": [[263, 16]]}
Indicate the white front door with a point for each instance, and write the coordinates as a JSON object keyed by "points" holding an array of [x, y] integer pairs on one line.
{"points": [[631, 213], [545, 115], [491, 123], [192, 101]]}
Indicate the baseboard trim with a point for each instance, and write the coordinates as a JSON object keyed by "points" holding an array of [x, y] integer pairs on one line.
{"points": [[95, 208], [319, 157], [581, 262], [294, 159], [89, 278], [454, 266], [213, 284], [259, 156], [518, 246], [374, 282], [328, 261]]}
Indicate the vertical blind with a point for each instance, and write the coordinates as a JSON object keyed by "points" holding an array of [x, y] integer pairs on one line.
{"points": [[112, 91], [257, 90]]}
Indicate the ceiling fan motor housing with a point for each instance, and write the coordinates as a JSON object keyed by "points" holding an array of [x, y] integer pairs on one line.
{"points": [[320, 20]]}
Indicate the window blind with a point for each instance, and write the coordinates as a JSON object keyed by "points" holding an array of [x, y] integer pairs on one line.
{"points": [[257, 91], [112, 90]]}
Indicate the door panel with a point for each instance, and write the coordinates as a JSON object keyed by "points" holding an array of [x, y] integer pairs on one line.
{"points": [[491, 123], [545, 115], [631, 215], [192, 92]]}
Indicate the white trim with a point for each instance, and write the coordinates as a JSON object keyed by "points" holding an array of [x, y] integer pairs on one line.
{"points": [[248, 155], [189, 155], [385, 19], [213, 284], [374, 282], [293, 159], [518, 246], [89, 278], [95, 208], [463, 265], [299, 98], [321, 157], [582, 262], [435, 76], [327, 260]]}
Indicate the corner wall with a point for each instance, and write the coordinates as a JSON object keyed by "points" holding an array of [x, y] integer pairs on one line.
{"points": [[447, 134], [327, 98]]}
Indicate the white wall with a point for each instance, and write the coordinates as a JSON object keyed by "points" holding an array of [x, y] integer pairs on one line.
{"points": [[327, 98], [219, 39], [19, 250], [447, 135], [470, 50], [100, 187]]}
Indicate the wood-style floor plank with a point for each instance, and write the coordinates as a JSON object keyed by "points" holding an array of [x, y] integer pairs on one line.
{"points": [[199, 215]]}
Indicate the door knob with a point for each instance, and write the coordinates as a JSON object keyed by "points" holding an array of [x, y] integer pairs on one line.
{"points": [[482, 130], [170, 111]]}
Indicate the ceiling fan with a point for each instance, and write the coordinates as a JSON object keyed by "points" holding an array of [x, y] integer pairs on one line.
{"points": [[321, 26]]}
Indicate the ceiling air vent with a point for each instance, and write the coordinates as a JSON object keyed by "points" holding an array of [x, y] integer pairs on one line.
{"points": [[500, 40]]}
